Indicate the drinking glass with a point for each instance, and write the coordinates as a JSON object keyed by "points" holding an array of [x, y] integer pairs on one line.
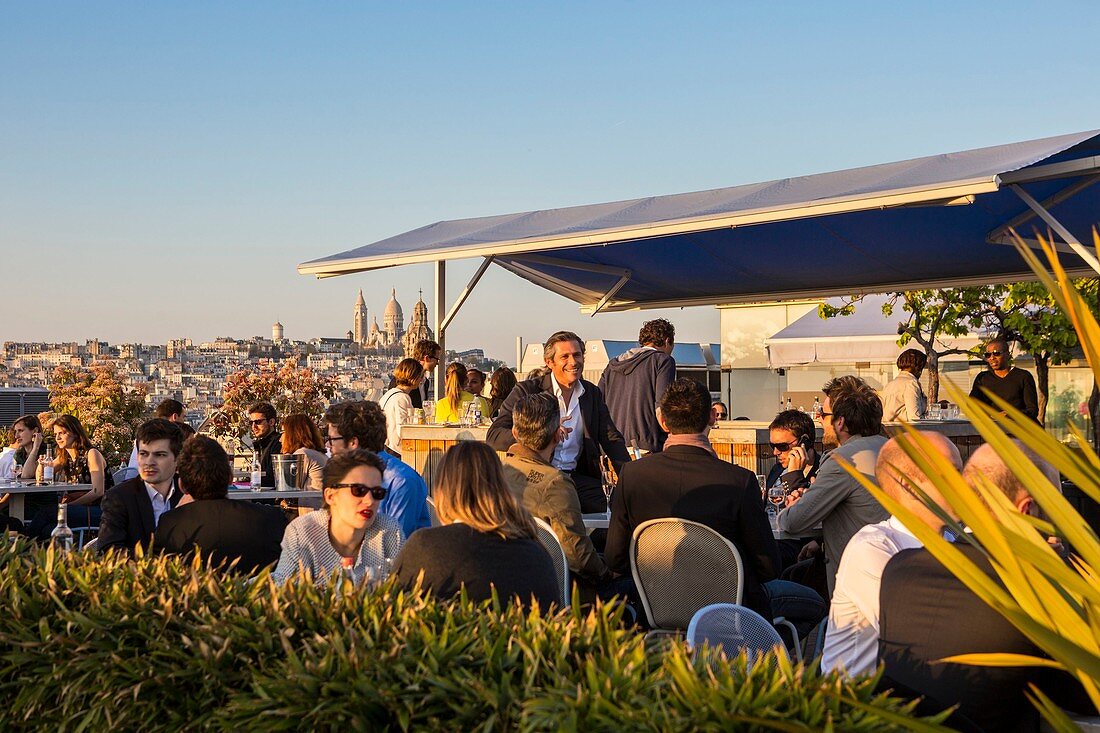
{"points": [[776, 498], [378, 572], [763, 481], [607, 474], [17, 475]]}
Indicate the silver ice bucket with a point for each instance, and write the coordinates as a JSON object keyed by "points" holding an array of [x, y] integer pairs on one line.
{"points": [[289, 469]]}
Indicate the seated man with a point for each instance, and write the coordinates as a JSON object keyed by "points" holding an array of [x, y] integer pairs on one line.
{"points": [[945, 618], [545, 491], [792, 434], [851, 641], [687, 480], [132, 510], [223, 530], [353, 425]]}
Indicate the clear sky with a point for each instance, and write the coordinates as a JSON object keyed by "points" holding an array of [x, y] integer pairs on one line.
{"points": [[165, 166]]}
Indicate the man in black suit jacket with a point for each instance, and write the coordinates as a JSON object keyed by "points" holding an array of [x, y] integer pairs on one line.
{"points": [[224, 530], [578, 449], [132, 509], [687, 480]]}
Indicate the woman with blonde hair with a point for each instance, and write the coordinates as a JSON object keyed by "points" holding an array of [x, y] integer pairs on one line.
{"points": [[301, 436], [397, 404], [486, 540], [456, 399]]}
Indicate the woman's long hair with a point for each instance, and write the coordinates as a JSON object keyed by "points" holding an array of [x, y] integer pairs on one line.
{"points": [[299, 431], [455, 385], [502, 382], [471, 489], [72, 426]]}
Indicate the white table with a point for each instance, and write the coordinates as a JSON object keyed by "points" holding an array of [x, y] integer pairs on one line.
{"points": [[249, 495], [16, 502]]}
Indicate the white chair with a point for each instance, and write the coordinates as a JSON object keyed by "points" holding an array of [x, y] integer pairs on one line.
{"points": [[733, 628], [433, 515], [680, 566], [549, 540]]}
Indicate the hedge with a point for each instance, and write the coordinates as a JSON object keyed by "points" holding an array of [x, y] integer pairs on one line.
{"points": [[89, 643]]}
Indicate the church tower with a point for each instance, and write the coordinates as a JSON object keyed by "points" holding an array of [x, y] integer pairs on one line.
{"points": [[418, 328], [359, 329], [393, 321]]}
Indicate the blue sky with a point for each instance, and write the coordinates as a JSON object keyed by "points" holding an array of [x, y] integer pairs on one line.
{"points": [[165, 166]]}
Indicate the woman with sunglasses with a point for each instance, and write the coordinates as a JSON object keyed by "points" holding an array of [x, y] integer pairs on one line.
{"points": [[347, 532], [486, 540]]}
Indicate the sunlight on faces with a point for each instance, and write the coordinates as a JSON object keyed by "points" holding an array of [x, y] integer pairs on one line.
{"points": [[156, 463], [337, 443], [63, 438], [350, 510], [567, 363], [829, 439], [23, 435], [780, 435], [259, 424]]}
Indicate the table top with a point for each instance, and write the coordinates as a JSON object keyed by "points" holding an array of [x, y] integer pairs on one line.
{"points": [[42, 489], [249, 495]]}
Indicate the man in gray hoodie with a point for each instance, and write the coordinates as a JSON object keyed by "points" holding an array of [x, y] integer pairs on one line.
{"points": [[634, 383]]}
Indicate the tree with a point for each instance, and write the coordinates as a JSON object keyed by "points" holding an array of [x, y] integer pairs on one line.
{"points": [[108, 409], [932, 315], [290, 388]]}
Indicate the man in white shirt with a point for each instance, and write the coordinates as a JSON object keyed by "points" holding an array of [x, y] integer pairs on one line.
{"points": [[851, 640]]}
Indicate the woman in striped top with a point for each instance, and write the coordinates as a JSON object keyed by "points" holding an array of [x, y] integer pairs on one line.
{"points": [[347, 532]]}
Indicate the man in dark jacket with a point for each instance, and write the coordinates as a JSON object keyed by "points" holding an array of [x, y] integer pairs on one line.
{"points": [[266, 440], [633, 384], [223, 529], [580, 436]]}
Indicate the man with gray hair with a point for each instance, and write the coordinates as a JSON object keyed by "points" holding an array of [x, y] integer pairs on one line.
{"points": [[585, 428], [851, 639], [545, 491]]}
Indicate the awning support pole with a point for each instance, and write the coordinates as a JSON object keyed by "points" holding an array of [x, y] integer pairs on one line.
{"points": [[611, 293], [440, 296], [465, 293], [1072, 241]]}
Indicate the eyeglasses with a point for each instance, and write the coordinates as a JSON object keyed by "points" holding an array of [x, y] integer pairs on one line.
{"points": [[720, 415], [258, 423], [360, 490], [783, 447], [993, 353], [826, 414], [330, 439]]}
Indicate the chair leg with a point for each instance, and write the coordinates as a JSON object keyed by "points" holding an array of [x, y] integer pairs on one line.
{"points": [[780, 621]]}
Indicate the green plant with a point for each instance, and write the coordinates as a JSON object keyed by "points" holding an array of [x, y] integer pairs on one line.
{"points": [[107, 408], [161, 644], [290, 388]]}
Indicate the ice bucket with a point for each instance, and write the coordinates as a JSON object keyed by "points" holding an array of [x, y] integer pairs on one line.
{"points": [[288, 468]]}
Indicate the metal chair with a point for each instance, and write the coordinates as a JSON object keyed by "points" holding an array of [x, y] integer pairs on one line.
{"points": [[733, 628], [681, 566], [84, 536], [433, 515], [549, 540]]}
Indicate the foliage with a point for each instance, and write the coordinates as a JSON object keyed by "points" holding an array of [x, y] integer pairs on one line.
{"points": [[160, 644], [107, 408], [1056, 605], [932, 315], [290, 388]]}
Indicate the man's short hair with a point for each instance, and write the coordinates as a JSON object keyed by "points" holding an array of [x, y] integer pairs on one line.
{"points": [[557, 338], [169, 407], [360, 419], [408, 372], [912, 361], [425, 349], [853, 399], [657, 332], [203, 468], [535, 420], [986, 462], [685, 407], [264, 408], [160, 429], [799, 423]]}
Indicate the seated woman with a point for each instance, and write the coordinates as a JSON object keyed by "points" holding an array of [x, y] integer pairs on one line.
{"points": [[487, 540], [397, 404], [301, 436], [501, 385], [27, 446], [79, 462], [347, 532], [456, 399]]}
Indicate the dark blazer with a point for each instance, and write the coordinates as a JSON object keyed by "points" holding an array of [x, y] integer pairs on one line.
{"points": [[599, 430], [927, 614], [127, 519], [224, 530], [692, 483]]}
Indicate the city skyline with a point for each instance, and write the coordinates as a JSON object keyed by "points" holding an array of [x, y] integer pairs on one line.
{"points": [[167, 166]]}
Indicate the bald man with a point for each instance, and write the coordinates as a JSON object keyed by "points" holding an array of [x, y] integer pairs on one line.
{"points": [[851, 639], [985, 463]]}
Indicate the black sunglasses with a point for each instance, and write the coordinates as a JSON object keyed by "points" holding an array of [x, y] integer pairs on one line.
{"points": [[993, 353], [259, 422], [360, 490]]}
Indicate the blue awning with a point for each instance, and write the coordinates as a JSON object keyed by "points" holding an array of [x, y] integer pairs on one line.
{"points": [[938, 221]]}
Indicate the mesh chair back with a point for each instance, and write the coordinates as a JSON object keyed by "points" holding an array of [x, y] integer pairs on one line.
{"points": [[680, 566], [734, 628], [433, 515], [549, 540], [90, 544]]}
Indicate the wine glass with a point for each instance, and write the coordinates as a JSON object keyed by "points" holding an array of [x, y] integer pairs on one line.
{"points": [[607, 474], [17, 474], [776, 497]]}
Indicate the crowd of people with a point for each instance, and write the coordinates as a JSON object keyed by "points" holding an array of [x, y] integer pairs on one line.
{"points": [[554, 439]]}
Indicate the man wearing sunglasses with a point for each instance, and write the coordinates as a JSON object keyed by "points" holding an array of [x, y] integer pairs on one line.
{"points": [[792, 434], [1012, 384], [265, 438]]}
